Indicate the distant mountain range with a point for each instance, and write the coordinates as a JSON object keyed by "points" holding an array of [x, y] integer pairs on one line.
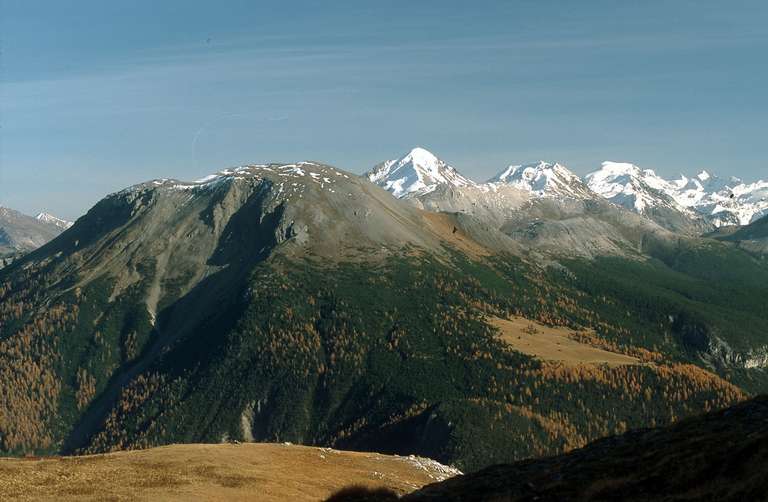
{"points": [[53, 220], [693, 205], [543, 206], [20, 233], [720, 202]]}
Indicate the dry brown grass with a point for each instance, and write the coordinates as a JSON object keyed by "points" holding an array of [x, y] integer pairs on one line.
{"points": [[445, 227], [264, 472], [554, 343]]}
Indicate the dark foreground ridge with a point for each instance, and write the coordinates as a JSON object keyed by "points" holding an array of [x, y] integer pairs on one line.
{"points": [[718, 456]]}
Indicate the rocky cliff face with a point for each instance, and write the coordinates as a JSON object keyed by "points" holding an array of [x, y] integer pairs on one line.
{"points": [[719, 354]]}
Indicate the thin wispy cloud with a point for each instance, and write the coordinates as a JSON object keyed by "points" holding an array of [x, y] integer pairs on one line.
{"points": [[674, 88]]}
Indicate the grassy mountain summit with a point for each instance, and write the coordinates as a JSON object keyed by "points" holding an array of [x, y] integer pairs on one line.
{"points": [[297, 302]]}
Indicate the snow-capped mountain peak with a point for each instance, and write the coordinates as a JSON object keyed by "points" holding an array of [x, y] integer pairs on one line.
{"points": [[417, 172], [736, 202], [53, 220], [625, 171], [627, 185], [722, 201], [544, 179], [705, 195], [424, 158]]}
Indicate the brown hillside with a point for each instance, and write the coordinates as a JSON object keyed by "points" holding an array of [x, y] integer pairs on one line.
{"points": [[217, 472]]}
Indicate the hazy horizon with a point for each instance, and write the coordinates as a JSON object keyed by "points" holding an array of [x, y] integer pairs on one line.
{"points": [[96, 97]]}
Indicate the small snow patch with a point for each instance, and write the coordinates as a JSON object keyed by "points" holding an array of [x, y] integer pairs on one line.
{"points": [[435, 470]]}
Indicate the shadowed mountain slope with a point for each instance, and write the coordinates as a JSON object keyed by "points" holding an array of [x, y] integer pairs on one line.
{"points": [[753, 237], [720, 456]]}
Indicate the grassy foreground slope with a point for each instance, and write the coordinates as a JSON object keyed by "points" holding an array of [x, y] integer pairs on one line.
{"points": [[264, 472]]}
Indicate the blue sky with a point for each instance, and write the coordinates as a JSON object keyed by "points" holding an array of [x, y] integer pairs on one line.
{"points": [[99, 95]]}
